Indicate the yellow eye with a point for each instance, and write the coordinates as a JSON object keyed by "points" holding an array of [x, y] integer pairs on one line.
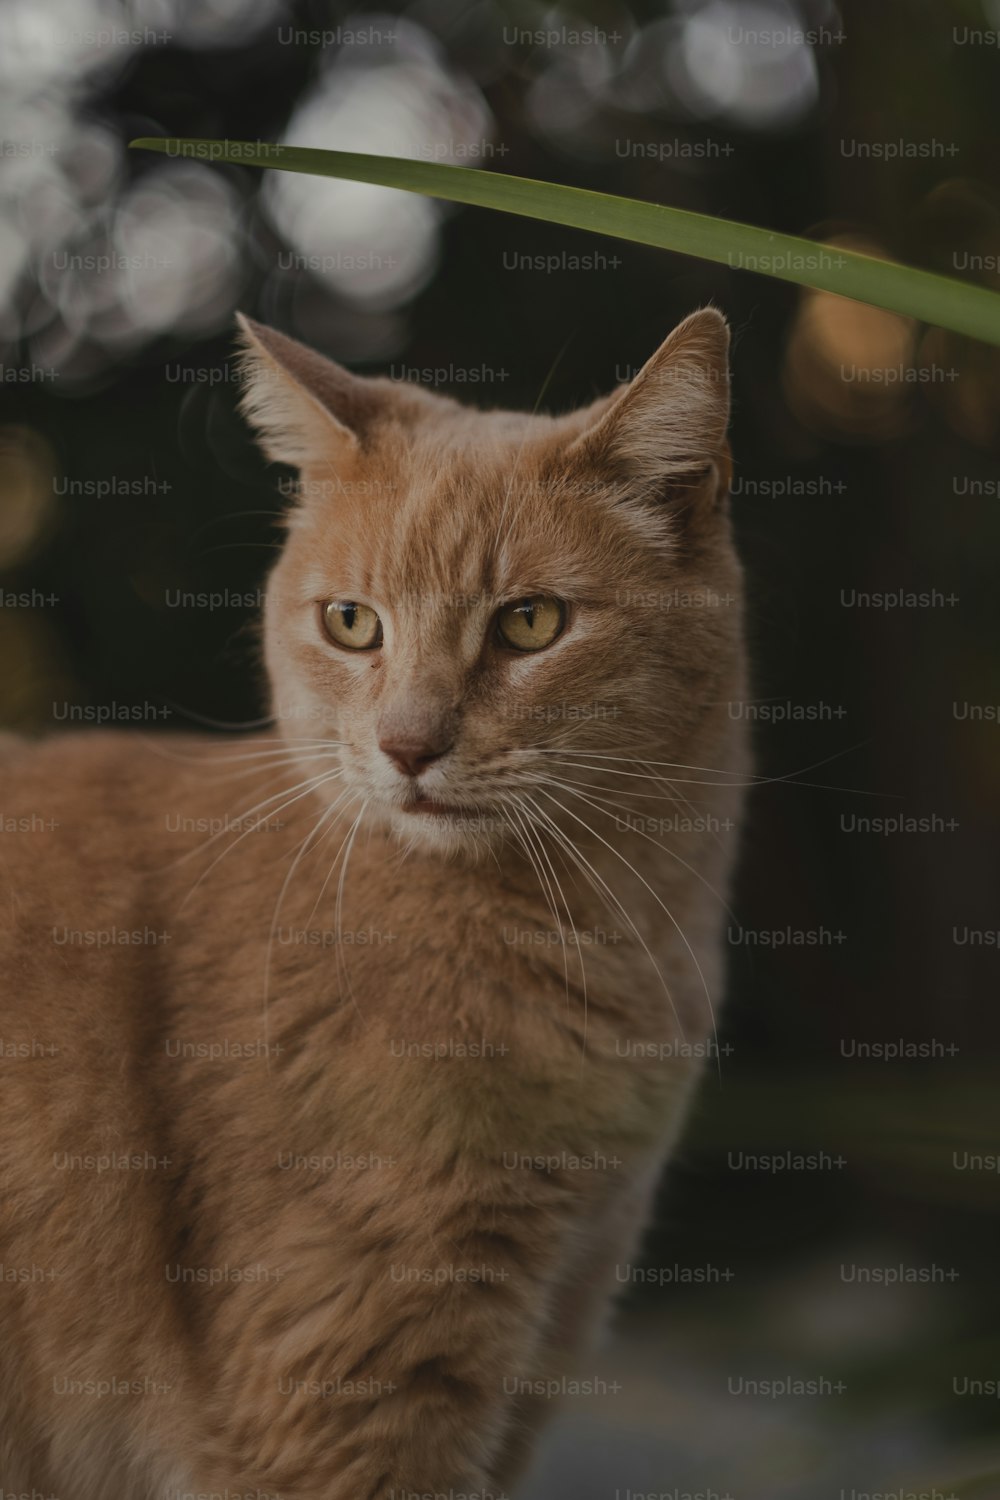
{"points": [[352, 625], [531, 624]]}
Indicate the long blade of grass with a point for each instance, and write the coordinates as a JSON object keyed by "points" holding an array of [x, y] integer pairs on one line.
{"points": [[941, 300]]}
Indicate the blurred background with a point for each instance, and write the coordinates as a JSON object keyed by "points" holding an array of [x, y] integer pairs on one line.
{"points": [[867, 502]]}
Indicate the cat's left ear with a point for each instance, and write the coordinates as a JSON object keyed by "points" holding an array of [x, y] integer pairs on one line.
{"points": [[663, 437], [306, 409]]}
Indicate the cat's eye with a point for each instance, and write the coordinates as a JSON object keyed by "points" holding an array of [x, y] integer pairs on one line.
{"points": [[355, 626], [531, 624]]}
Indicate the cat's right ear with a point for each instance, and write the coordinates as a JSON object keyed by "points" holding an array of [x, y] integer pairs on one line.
{"points": [[306, 410]]}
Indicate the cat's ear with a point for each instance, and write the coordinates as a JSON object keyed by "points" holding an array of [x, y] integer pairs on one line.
{"points": [[305, 409], [663, 436]]}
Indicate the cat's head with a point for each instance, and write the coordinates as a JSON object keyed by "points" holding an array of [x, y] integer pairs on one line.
{"points": [[473, 607]]}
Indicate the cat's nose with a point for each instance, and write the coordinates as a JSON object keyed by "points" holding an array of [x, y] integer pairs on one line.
{"points": [[412, 756]]}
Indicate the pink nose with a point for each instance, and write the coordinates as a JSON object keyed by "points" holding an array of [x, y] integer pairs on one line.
{"points": [[411, 757]]}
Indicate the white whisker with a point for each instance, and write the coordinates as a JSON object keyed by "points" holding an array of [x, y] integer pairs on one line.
{"points": [[341, 961], [532, 823], [300, 851], [585, 866], [311, 784], [664, 908]]}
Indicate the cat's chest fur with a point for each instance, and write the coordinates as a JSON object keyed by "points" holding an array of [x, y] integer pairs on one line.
{"points": [[470, 1007]]}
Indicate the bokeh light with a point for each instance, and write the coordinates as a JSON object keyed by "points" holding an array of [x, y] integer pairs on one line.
{"points": [[749, 64], [27, 500], [209, 23], [396, 97]]}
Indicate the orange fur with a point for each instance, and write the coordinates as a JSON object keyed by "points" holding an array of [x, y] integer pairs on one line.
{"points": [[363, 1189]]}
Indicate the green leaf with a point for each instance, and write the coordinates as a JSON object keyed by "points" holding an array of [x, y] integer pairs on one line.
{"points": [[942, 300]]}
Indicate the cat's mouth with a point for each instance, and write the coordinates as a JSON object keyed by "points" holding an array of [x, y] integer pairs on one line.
{"points": [[431, 807], [448, 820]]}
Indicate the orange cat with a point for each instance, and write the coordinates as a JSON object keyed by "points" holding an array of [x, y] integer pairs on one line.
{"points": [[339, 1062]]}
